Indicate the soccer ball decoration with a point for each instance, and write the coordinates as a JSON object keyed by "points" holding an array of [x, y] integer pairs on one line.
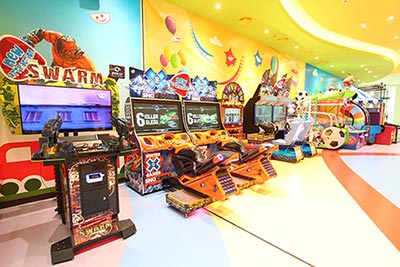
{"points": [[301, 95], [334, 137]]}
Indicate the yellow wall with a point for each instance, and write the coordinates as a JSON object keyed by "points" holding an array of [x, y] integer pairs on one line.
{"points": [[181, 51]]}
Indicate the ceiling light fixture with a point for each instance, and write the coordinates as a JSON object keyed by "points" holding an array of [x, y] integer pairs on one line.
{"points": [[296, 47], [363, 25], [390, 18], [218, 5], [396, 37], [266, 31], [245, 20]]}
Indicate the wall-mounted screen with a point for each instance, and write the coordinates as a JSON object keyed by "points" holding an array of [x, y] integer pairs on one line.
{"points": [[81, 109], [202, 115], [156, 116], [232, 116]]}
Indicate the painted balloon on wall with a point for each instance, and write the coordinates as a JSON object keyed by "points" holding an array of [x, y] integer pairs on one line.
{"points": [[170, 23]]}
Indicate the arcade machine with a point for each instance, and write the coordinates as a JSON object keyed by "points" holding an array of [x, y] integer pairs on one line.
{"points": [[158, 133], [232, 109], [86, 174], [155, 112], [305, 137], [205, 127], [206, 171], [308, 147], [273, 109], [202, 177], [201, 180]]}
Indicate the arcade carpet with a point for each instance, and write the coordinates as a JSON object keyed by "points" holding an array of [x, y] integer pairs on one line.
{"points": [[338, 209]]}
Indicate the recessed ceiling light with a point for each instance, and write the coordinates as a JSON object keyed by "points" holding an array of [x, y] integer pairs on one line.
{"points": [[296, 47], [245, 20], [332, 66], [390, 18], [366, 69], [316, 58], [343, 71], [362, 65], [218, 5], [363, 25], [375, 76], [370, 71], [266, 31], [396, 37]]}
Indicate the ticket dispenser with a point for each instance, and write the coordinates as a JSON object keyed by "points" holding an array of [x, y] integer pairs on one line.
{"points": [[94, 188]]}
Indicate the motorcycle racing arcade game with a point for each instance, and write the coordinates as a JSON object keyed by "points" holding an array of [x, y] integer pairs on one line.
{"points": [[204, 125], [156, 114], [159, 131]]}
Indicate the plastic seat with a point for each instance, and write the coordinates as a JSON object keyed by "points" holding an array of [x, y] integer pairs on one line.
{"points": [[296, 127]]}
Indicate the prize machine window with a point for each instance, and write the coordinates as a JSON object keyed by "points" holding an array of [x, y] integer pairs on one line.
{"points": [[233, 116], [81, 109], [202, 116], [161, 116]]}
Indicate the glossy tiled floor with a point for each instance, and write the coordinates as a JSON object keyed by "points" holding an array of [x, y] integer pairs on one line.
{"points": [[340, 208]]}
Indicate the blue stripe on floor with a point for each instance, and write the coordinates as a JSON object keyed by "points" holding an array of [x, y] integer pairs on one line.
{"points": [[193, 241]]}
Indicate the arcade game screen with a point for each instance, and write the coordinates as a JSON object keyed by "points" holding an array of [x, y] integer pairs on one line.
{"points": [[202, 116], [81, 109], [279, 113], [233, 116], [159, 116], [263, 113]]}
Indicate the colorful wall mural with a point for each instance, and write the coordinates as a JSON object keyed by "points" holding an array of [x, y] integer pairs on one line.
{"points": [[77, 43], [177, 40], [94, 44], [319, 81]]}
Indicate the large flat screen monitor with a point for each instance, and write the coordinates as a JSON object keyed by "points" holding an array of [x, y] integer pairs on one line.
{"points": [[81, 109], [156, 116], [202, 115]]}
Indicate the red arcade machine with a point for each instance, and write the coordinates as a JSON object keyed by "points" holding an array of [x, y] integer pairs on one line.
{"points": [[232, 109]]}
